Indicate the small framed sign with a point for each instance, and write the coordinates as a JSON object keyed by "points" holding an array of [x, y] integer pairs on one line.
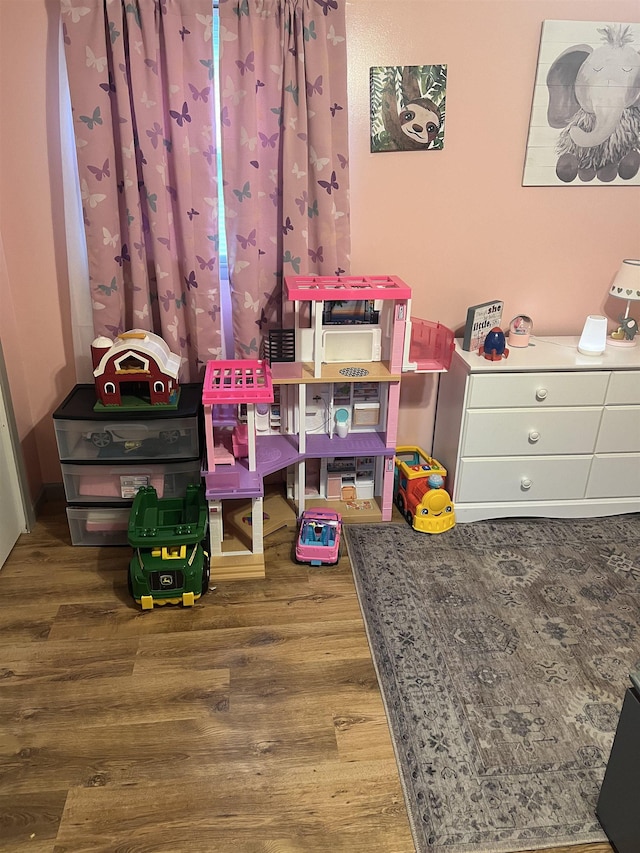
{"points": [[480, 320]]}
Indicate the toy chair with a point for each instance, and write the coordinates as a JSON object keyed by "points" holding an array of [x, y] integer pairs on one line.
{"points": [[240, 441]]}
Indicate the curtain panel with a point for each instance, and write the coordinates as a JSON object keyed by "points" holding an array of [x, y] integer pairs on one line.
{"points": [[283, 92], [142, 94]]}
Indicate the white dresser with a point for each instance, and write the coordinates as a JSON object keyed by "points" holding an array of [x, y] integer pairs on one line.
{"points": [[545, 432]]}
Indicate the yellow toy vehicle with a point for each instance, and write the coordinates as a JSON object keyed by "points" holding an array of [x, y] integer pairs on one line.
{"points": [[419, 493]]}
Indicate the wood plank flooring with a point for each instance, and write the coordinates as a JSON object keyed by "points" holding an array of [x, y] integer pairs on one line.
{"points": [[252, 723]]}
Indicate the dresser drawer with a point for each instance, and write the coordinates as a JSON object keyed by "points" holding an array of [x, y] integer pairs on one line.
{"points": [[619, 430], [512, 390], [624, 387], [518, 432], [615, 475], [522, 479]]}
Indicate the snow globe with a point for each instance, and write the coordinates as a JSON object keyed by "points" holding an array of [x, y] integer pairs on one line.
{"points": [[520, 329]]}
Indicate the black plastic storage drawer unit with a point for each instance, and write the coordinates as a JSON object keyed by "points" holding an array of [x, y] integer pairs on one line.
{"points": [[107, 455]]}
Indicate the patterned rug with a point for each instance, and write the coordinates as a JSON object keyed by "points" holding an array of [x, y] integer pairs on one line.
{"points": [[503, 650]]}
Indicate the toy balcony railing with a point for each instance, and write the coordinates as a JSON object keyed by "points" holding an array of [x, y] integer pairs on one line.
{"points": [[430, 347]]}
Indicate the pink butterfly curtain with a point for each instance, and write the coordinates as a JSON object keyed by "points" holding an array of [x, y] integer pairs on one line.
{"points": [[283, 82], [141, 81]]}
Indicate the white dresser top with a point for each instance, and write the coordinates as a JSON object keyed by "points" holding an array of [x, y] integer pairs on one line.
{"points": [[552, 353]]}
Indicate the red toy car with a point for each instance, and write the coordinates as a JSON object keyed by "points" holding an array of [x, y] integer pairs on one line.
{"points": [[318, 541]]}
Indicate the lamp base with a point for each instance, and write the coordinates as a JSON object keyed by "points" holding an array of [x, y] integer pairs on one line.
{"points": [[615, 342]]}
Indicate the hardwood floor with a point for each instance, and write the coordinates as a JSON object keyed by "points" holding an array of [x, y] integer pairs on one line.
{"points": [[249, 724]]}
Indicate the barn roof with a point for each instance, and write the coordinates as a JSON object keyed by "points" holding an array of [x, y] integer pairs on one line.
{"points": [[142, 345]]}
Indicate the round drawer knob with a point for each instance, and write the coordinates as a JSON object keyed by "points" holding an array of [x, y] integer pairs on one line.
{"points": [[541, 394], [534, 436], [526, 483]]}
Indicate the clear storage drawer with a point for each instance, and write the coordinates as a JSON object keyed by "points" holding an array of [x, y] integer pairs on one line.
{"points": [[124, 440], [83, 434], [119, 483], [97, 525]]}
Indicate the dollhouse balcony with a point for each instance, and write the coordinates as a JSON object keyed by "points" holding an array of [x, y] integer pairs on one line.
{"points": [[430, 347]]}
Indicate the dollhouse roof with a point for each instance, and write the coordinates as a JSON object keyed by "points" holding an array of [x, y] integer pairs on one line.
{"points": [[325, 288], [142, 346], [237, 381]]}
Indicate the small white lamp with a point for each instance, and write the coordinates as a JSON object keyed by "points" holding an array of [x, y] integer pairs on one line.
{"points": [[626, 285], [593, 340]]}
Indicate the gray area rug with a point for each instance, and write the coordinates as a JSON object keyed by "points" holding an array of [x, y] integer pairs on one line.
{"points": [[503, 650]]}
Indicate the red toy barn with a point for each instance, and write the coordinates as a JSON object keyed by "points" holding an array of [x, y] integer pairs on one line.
{"points": [[138, 364]]}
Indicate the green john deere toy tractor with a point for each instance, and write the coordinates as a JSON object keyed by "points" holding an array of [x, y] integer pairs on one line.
{"points": [[170, 564]]}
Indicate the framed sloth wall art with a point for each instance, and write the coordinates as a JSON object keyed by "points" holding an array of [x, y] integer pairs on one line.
{"points": [[407, 107], [585, 119]]}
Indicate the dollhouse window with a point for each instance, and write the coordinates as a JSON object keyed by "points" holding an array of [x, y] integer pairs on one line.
{"points": [[350, 313]]}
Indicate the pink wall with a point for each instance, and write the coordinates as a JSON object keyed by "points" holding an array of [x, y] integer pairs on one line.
{"points": [[457, 225], [34, 317]]}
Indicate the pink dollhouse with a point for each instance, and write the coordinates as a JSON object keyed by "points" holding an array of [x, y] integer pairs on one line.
{"points": [[326, 423]]}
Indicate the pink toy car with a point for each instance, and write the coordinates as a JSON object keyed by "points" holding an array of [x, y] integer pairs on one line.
{"points": [[318, 541]]}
